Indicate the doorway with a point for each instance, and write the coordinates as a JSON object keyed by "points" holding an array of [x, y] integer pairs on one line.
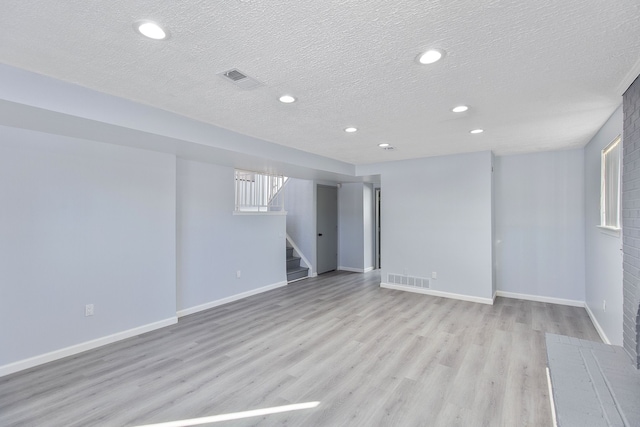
{"points": [[327, 229], [377, 260]]}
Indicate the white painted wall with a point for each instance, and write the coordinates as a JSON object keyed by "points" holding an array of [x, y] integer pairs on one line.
{"points": [[539, 220], [213, 244], [300, 204], [603, 257], [436, 217], [81, 222], [351, 227]]}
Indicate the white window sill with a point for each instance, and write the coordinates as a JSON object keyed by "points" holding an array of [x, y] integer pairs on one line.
{"points": [[611, 231], [259, 213]]}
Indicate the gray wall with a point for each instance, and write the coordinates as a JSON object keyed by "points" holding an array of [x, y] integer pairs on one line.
{"points": [[603, 258], [81, 222], [436, 217], [539, 219], [213, 243], [300, 204]]}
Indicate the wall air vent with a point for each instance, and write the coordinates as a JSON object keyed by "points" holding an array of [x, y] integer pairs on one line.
{"points": [[400, 279], [240, 79]]}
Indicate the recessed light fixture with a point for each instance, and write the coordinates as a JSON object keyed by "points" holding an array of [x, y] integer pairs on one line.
{"points": [[431, 56], [287, 99], [351, 129], [383, 145], [460, 109], [150, 29], [476, 131]]}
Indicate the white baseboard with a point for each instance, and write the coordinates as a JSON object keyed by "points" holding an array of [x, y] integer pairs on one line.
{"points": [[603, 336], [435, 293], [351, 269], [232, 298], [537, 298], [355, 270], [79, 348]]}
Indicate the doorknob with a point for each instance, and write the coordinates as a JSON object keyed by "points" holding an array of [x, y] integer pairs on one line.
{"points": [[320, 234]]}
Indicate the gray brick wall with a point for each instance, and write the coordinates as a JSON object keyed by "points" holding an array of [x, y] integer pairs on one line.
{"points": [[631, 220]]}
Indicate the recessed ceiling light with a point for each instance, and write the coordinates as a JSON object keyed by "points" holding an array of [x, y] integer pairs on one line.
{"points": [[351, 129], [287, 99], [476, 131], [431, 56], [460, 109], [150, 29], [383, 145]]}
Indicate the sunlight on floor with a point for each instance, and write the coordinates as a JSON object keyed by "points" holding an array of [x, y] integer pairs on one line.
{"points": [[235, 415]]}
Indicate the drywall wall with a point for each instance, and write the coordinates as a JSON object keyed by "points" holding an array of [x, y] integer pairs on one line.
{"points": [[351, 227], [603, 257], [81, 223], [300, 204], [214, 244], [436, 217], [61, 107], [539, 218]]}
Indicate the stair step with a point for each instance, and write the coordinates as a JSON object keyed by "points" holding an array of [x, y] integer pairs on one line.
{"points": [[297, 273], [293, 262]]}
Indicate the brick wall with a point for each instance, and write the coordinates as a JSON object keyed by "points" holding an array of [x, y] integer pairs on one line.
{"points": [[631, 220]]}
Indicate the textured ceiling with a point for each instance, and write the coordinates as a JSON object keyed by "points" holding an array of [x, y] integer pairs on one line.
{"points": [[537, 75]]}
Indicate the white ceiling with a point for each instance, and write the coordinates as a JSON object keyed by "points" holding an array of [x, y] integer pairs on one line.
{"points": [[538, 75]]}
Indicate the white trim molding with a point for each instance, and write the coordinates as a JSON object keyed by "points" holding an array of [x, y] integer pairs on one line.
{"points": [[629, 78], [603, 336], [537, 298], [300, 254], [79, 348], [435, 293], [227, 300], [355, 270]]}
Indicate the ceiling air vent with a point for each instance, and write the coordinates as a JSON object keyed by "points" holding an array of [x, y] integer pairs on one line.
{"points": [[240, 79]]}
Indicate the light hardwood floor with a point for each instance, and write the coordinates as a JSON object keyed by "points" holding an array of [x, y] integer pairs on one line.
{"points": [[370, 356]]}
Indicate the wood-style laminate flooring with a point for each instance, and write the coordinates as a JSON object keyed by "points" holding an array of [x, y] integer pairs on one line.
{"points": [[370, 356]]}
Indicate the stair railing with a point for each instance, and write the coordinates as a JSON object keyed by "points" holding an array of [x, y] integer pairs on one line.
{"points": [[258, 192]]}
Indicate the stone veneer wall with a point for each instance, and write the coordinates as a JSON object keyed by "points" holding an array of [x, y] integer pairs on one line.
{"points": [[631, 220]]}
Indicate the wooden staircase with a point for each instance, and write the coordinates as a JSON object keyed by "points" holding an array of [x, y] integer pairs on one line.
{"points": [[294, 270]]}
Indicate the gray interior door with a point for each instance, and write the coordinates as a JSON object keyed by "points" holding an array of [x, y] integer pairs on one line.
{"points": [[327, 229]]}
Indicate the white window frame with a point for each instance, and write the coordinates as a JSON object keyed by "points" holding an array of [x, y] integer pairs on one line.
{"points": [[610, 186]]}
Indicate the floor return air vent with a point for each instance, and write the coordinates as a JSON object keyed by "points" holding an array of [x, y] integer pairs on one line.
{"points": [[416, 282]]}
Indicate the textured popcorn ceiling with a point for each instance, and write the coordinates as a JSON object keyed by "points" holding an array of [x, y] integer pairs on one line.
{"points": [[538, 75]]}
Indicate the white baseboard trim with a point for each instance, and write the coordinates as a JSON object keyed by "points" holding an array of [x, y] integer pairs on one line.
{"points": [[351, 269], [537, 298], [435, 293], [79, 348], [227, 300], [355, 270], [592, 316]]}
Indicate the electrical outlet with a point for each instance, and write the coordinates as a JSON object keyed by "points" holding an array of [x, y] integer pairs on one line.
{"points": [[88, 310], [434, 275], [604, 305], [238, 274]]}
